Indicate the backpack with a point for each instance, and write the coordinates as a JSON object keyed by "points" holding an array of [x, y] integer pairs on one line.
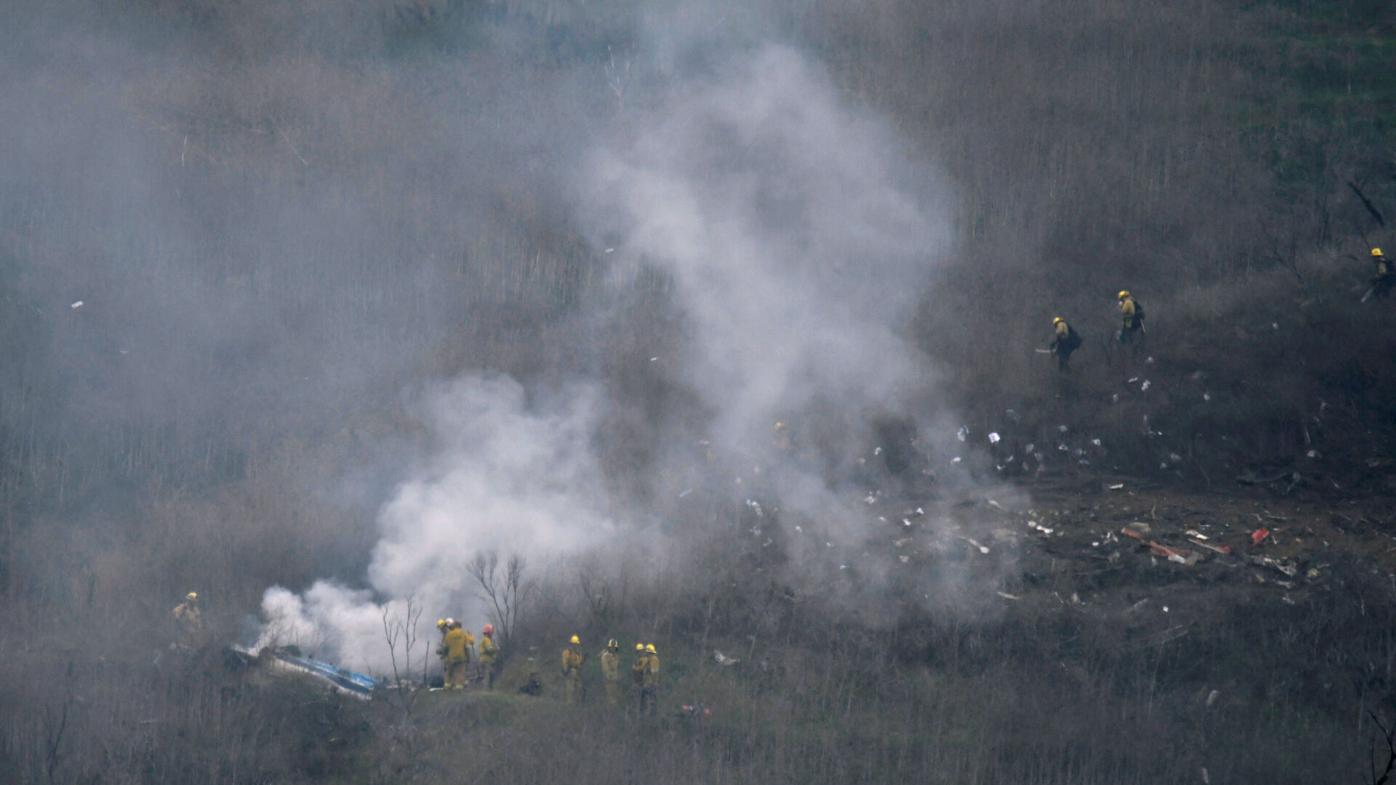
{"points": [[1138, 311], [1073, 339]]}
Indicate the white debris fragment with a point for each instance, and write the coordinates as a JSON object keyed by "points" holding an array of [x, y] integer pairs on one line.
{"points": [[755, 507], [1063, 448], [799, 528], [920, 511], [1132, 379], [1028, 450], [956, 459], [870, 499], [1061, 429], [610, 250], [685, 493], [1206, 396], [994, 438], [76, 305], [1116, 486], [984, 549], [724, 660], [1145, 386], [843, 566], [1311, 454], [828, 544], [654, 359], [1008, 596], [1114, 397], [1165, 609], [903, 559], [1175, 457], [963, 433], [1275, 325], [1149, 361], [996, 505], [906, 523], [877, 451], [1095, 442]]}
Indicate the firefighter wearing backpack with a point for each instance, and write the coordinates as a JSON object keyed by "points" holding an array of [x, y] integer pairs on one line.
{"points": [[1131, 318], [1065, 340], [1385, 277]]}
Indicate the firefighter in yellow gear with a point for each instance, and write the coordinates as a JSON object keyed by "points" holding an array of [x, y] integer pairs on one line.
{"points": [[442, 626], [489, 654], [190, 620], [649, 681], [1385, 277], [456, 655], [1131, 317], [610, 671], [1065, 340], [572, 659]]}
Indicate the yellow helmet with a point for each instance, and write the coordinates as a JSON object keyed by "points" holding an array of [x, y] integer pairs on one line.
{"points": [[1123, 294], [440, 624], [640, 647], [1056, 320], [191, 596], [576, 640], [649, 649], [1377, 252]]}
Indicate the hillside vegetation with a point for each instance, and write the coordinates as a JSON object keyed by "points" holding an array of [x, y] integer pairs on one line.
{"points": [[284, 219]]}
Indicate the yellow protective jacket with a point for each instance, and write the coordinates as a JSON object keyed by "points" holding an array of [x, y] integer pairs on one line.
{"points": [[650, 678], [1127, 309], [488, 651], [455, 645], [637, 671], [188, 615], [610, 665], [469, 644], [572, 661]]}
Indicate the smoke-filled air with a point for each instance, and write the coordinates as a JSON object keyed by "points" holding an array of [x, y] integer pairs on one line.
{"points": [[544, 391]]}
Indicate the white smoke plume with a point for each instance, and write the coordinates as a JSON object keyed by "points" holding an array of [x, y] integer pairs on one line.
{"points": [[799, 234], [505, 474]]}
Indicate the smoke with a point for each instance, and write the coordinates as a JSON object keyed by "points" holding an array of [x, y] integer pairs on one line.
{"points": [[505, 474], [799, 234]]}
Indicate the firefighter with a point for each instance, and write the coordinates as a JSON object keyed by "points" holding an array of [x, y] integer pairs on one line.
{"points": [[489, 652], [610, 671], [190, 620], [1065, 340], [442, 627], [457, 657], [1385, 277], [649, 681], [572, 659], [637, 672], [1131, 318]]}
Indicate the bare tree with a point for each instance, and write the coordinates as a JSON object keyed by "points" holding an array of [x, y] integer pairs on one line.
{"points": [[503, 591], [401, 635]]}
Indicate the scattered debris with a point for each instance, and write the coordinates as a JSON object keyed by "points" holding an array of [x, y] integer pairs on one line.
{"points": [[1258, 536], [1212, 698], [1115, 487], [994, 438], [76, 305], [963, 433], [724, 660], [1008, 596]]}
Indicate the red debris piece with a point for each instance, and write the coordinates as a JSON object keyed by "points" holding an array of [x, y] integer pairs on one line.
{"points": [[1259, 535]]}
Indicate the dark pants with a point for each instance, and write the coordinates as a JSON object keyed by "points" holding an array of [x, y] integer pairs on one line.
{"points": [[1130, 334], [1381, 285], [1064, 359], [649, 699]]}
